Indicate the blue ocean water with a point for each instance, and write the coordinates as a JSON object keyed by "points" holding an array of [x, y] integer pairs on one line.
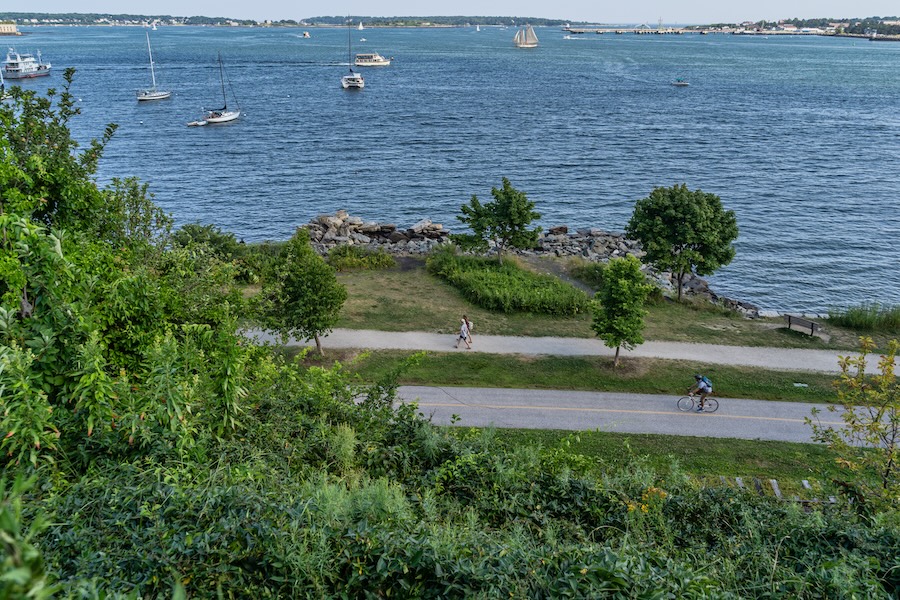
{"points": [[800, 136]]}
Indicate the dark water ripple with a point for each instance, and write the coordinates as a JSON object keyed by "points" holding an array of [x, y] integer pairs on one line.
{"points": [[799, 136]]}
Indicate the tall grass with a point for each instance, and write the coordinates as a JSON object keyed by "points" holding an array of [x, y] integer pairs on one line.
{"points": [[506, 287], [868, 316], [346, 258]]}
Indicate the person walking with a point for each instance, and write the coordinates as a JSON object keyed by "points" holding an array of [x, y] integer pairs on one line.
{"points": [[469, 326], [463, 334]]}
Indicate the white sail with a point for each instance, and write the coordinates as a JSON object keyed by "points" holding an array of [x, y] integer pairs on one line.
{"points": [[526, 38]]}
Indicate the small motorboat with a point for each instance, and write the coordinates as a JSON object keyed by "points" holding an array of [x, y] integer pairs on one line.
{"points": [[200, 123], [680, 83]]}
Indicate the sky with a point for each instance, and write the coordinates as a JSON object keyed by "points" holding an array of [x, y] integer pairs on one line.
{"points": [[635, 11]]}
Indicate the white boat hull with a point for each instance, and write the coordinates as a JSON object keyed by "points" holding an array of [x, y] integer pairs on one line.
{"points": [[223, 117], [145, 95], [352, 83]]}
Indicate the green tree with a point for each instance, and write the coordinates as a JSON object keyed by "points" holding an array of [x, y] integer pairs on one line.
{"points": [[870, 411], [618, 306], [683, 231], [43, 175], [504, 221], [305, 297]]}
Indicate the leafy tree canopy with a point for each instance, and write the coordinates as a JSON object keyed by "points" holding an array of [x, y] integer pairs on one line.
{"points": [[684, 231], [304, 298], [618, 306], [504, 221]]}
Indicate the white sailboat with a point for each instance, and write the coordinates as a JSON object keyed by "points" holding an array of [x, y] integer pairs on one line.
{"points": [[218, 115], [352, 80], [478, 28], [152, 93], [526, 38], [360, 28]]}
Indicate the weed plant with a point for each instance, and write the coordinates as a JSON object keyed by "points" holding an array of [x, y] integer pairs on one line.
{"points": [[505, 286], [868, 316], [590, 273], [347, 258]]}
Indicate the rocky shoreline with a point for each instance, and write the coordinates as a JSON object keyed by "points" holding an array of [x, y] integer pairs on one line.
{"points": [[591, 244]]}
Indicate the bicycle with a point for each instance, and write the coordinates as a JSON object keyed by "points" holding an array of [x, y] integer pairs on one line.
{"points": [[687, 403]]}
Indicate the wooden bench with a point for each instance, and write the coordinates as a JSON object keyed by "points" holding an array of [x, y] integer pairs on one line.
{"points": [[802, 325]]}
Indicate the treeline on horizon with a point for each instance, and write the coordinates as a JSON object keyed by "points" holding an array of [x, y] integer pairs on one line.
{"points": [[857, 25]]}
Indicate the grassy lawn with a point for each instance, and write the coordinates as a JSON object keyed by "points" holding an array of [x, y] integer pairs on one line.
{"points": [[705, 458], [637, 375], [407, 298]]}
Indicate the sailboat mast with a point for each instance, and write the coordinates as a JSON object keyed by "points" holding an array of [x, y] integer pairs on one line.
{"points": [[349, 51], [222, 79], [150, 52]]}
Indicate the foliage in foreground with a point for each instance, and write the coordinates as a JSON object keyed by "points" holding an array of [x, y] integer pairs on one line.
{"points": [[870, 409], [173, 459], [868, 316], [506, 287]]}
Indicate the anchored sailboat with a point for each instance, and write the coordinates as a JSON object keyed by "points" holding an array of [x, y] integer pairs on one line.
{"points": [[352, 81], [219, 115], [152, 93], [526, 38]]}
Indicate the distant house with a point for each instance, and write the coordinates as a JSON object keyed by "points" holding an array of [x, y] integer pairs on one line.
{"points": [[9, 29], [788, 27]]}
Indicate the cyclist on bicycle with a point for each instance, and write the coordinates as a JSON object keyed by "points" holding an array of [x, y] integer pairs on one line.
{"points": [[702, 386]]}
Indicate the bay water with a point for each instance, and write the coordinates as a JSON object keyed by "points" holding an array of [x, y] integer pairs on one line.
{"points": [[800, 136]]}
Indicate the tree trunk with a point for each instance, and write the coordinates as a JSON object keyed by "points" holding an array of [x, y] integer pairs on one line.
{"points": [[680, 283], [616, 360], [319, 345]]}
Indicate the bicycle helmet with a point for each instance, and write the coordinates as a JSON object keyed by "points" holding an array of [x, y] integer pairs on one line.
{"points": [[698, 377]]}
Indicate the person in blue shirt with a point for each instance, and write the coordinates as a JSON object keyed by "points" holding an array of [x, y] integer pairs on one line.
{"points": [[703, 386]]}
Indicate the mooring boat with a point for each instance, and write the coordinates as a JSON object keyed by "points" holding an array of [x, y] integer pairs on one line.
{"points": [[219, 115], [24, 66], [152, 93], [371, 59], [352, 80], [680, 83]]}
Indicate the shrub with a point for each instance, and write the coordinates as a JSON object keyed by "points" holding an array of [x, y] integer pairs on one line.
{"points": [[591, 273], [223, 244], [868, 316], [257, 262], [346, 257], [506, 287]]}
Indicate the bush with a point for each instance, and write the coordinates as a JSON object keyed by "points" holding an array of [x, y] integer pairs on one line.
{"points": [[590, 273], [868, 316], [506, 287], [346, 258], [257, 262], [223, 244]]}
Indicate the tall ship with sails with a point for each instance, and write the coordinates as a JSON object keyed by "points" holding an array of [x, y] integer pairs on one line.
{"points": [[24, 66], [526, 38]]}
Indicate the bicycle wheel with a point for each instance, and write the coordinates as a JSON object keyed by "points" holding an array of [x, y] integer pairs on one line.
{"points": [[685, 404], [711, 405]]}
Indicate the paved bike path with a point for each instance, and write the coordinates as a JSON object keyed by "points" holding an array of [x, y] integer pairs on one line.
{"points": [[784, 359], [614, 412]]}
